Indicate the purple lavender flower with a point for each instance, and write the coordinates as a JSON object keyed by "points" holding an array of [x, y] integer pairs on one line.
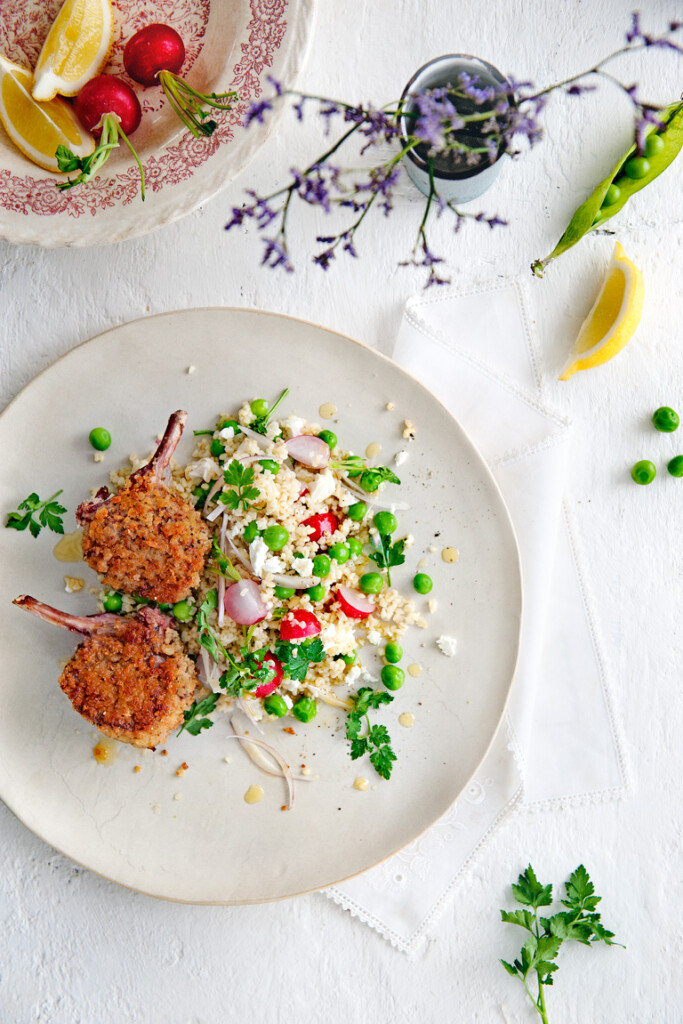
{"points": [[275, 255], [275, 84], [468, 84], [256, 111]]}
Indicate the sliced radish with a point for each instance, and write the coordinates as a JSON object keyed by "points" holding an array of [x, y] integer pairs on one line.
{"points": [[244, 603], [320, 524], [266, 688], [309, 450], [299, 624], [354, 604]]}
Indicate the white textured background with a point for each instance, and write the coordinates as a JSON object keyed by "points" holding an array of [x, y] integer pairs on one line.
{"points": [[75, 949]]}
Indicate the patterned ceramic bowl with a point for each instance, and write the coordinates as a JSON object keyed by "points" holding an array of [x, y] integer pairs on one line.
{"points": [[230, 45]]}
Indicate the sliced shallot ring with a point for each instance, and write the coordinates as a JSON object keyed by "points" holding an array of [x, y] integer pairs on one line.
{"points": [[238, 554], [309, 450], [253, 435], [295, 582], [215, 488]]}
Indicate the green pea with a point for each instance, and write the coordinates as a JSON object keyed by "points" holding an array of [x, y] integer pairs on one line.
{"points": [[675, 467], [644, 472], [274, 704], [654, 144], [355, 546], [317, 593], [385, 522], [250, 532], [340, 553], [269, 466], [348, 659], [393, 652], [165, 607], [217, 447], [99, 438], [224, 424], [666, 419], [637, 167], [329, 438], [393, 677], [371, 582], [305, 709], [322, 564], [259, 407], [284, 593], [113, 602], [422, 583], [275, 537], [357, 511], [611, 195], [183, 611]]}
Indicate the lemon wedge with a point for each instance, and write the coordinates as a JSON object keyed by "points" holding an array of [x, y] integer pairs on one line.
{"points": [[76, 48], [38, 128], [614, 317]]}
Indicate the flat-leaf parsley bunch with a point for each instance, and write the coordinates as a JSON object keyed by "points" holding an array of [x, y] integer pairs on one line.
{"points": [[468, 120]]}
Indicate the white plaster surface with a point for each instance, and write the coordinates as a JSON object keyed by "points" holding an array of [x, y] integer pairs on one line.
{"points": [[75, 949]]}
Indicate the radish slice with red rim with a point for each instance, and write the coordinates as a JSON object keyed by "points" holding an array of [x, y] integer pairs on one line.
{"points": [[354, 604], [309, 450]]}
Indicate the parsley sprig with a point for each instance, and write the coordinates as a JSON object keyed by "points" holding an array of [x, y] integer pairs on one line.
{"points": [[376, 740], [221, 564], [241, 478], [49, 513], [247, 675], [368, 478], [297, 656], [387, 554], [195, 716], [579, 921]]}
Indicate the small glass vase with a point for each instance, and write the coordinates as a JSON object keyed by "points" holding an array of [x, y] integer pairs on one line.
{"points": [[455, 179]]}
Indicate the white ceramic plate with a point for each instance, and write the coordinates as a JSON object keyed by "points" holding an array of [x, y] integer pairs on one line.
{"points": [[230, 45], [209, 845]]}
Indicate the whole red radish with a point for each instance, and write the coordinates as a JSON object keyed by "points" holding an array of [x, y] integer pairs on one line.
{"points": [[153, 49], [105, 95], [153, 56], [109, 109], [266, 688]]}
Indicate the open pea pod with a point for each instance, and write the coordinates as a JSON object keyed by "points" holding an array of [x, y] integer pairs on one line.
{"points": [[630, 175]]}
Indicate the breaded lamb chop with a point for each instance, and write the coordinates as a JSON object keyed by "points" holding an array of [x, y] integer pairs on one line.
{"points": [[130, 677], [146, 539]]}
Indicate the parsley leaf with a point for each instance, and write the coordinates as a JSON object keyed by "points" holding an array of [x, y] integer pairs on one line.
{"points": [[49, 512], [376, 741], [241, 478], [546, 935], [387, 554], [194, 716], [260, 423], [297, 655], [249, 674]]}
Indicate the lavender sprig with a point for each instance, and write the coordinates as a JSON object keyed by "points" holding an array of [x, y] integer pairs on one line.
{"points": [[489, 120]]}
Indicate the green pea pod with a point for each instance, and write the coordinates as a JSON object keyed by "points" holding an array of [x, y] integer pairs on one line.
{"points": [[592, 214]]}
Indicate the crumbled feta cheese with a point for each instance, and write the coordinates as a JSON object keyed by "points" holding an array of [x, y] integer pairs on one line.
{"points": [[374, 637], [400, 457], [324, 487], [408, 430], [345, 498], [261, 558], [353, 675], [409, 540], [287, 699], [205, 470], [432, 604], [227, 433], [303, 566], [190, 369], [447, 645], [294, 425], [367, 676]]}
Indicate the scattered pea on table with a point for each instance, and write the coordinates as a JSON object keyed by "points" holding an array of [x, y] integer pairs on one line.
{"points": [[666, 419], [422, 583], [385, 522], [644, 472], [393, 652], [393, 677], [274, 704], [675, 466], [305, 709], [99, 438]]}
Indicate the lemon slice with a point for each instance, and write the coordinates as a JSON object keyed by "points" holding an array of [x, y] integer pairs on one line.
{"points": [[614, 317], [76, 48], [38, 128]]}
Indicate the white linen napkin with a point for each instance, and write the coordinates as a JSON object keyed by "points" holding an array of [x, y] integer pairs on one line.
{"points": [[475, 352]]}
